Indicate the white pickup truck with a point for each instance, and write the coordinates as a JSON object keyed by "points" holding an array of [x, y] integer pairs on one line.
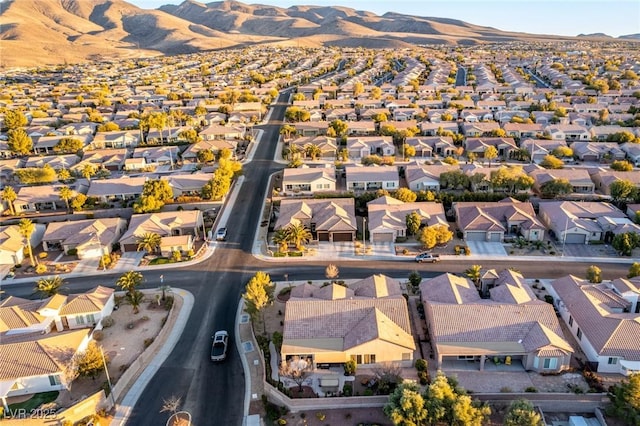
{"points": [[427, 257]]}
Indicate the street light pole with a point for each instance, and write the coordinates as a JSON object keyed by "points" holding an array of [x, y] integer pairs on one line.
{"points": [[364, 235], [106, 372]]}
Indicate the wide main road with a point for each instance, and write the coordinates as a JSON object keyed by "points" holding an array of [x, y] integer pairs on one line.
{"points": [[214, 393]]}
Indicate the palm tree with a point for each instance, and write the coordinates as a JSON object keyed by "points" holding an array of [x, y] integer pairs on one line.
{"points": [[135, 298], [474, 274], [164, 289], [26, 229], [149, 242], [9, 195], [88, 170], [66, 194], [281, 238], [298, 234], [49, 286], [129, 281]]}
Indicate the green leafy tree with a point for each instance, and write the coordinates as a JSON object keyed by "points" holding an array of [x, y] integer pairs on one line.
{"points": [[556, 187], [455, 179], [147, 204], [26, 228], [158, 188], [625, 243], [430, 236], [149, 242], [89, 363], [36, 175], [49, 286], [205, 156], [258, 295], [9, 195], [522, 413], [625, 400], [68, 146], [551, 162], [413, 221], [66, 194], [19, 142], [562, 152], [14, 119], [490, 154], [621, 166], [339, 127], [190, 135], [406, 406], [634, 270], [414, 280], [594, 274], [405, 195], [312, 151], [622, 190], [446, 402], [77, 203]]}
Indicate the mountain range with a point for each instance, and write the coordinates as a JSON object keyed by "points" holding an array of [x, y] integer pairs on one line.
{"points": [[42, 32]]}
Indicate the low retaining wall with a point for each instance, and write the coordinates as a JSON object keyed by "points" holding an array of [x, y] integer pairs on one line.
{"points": [[306, 404]]}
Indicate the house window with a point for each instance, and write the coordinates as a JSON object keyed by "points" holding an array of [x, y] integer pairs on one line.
{"points": [[579, 334], [80, 319], [91, 319], [612, 360], [54, 380], [370, 358], [549, 363], [357, 359], [406, 356], [570, 320]]}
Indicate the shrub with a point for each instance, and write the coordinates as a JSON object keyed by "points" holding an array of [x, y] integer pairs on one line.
{"points": [[282, 422], [277, 340], [108, 321], [531, 389], [98, 335], [320, 416], [168, 303], [368, 392], [467, 251], [405, 251], [72, 252], [548, 298], [41, 268], [350, 368], [421, 364], [506, 389], [147, 342], [347, 389], [145, 318], [43, 255], [423, 377]]}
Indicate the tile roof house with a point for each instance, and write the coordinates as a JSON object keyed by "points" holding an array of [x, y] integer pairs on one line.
{"points": [[596, 151], [492, 221], [604, 178], [567, 132], [56, 162], [387, 217], [24, 316], [605, 320], [38, 198], [32, 363], [328, 146], [579, 179], [372, 178], [165, 224], [360, 147], [432, 146], [117, 139], [633, 152], [575, 222], [367, 322], [110, 159], [90, 238], [511, 324], [12, 243], [187, 184], [540, 148], [123, 188], [327, 219], [504, 146], [425, 177], [191, 152], [86, 309], [307, 180]]}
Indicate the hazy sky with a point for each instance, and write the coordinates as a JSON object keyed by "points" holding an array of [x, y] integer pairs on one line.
{"points": [[559, 17]]}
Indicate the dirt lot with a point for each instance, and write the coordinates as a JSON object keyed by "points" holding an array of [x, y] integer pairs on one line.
{"points": [[122, 343]]}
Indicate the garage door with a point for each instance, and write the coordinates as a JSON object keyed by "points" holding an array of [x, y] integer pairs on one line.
{"points": [[495, 237], [323, 236], [575, 239], [476, 236], [342, 236], [130, 247], [382, 237]]}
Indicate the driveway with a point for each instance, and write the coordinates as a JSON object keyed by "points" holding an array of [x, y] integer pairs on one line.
{"points": [[481, 248]]}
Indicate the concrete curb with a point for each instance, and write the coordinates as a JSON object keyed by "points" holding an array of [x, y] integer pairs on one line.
{"points": [[123, 410]]}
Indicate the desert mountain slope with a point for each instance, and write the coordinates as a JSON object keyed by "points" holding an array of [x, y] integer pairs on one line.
{"points": [[35, 32]]}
